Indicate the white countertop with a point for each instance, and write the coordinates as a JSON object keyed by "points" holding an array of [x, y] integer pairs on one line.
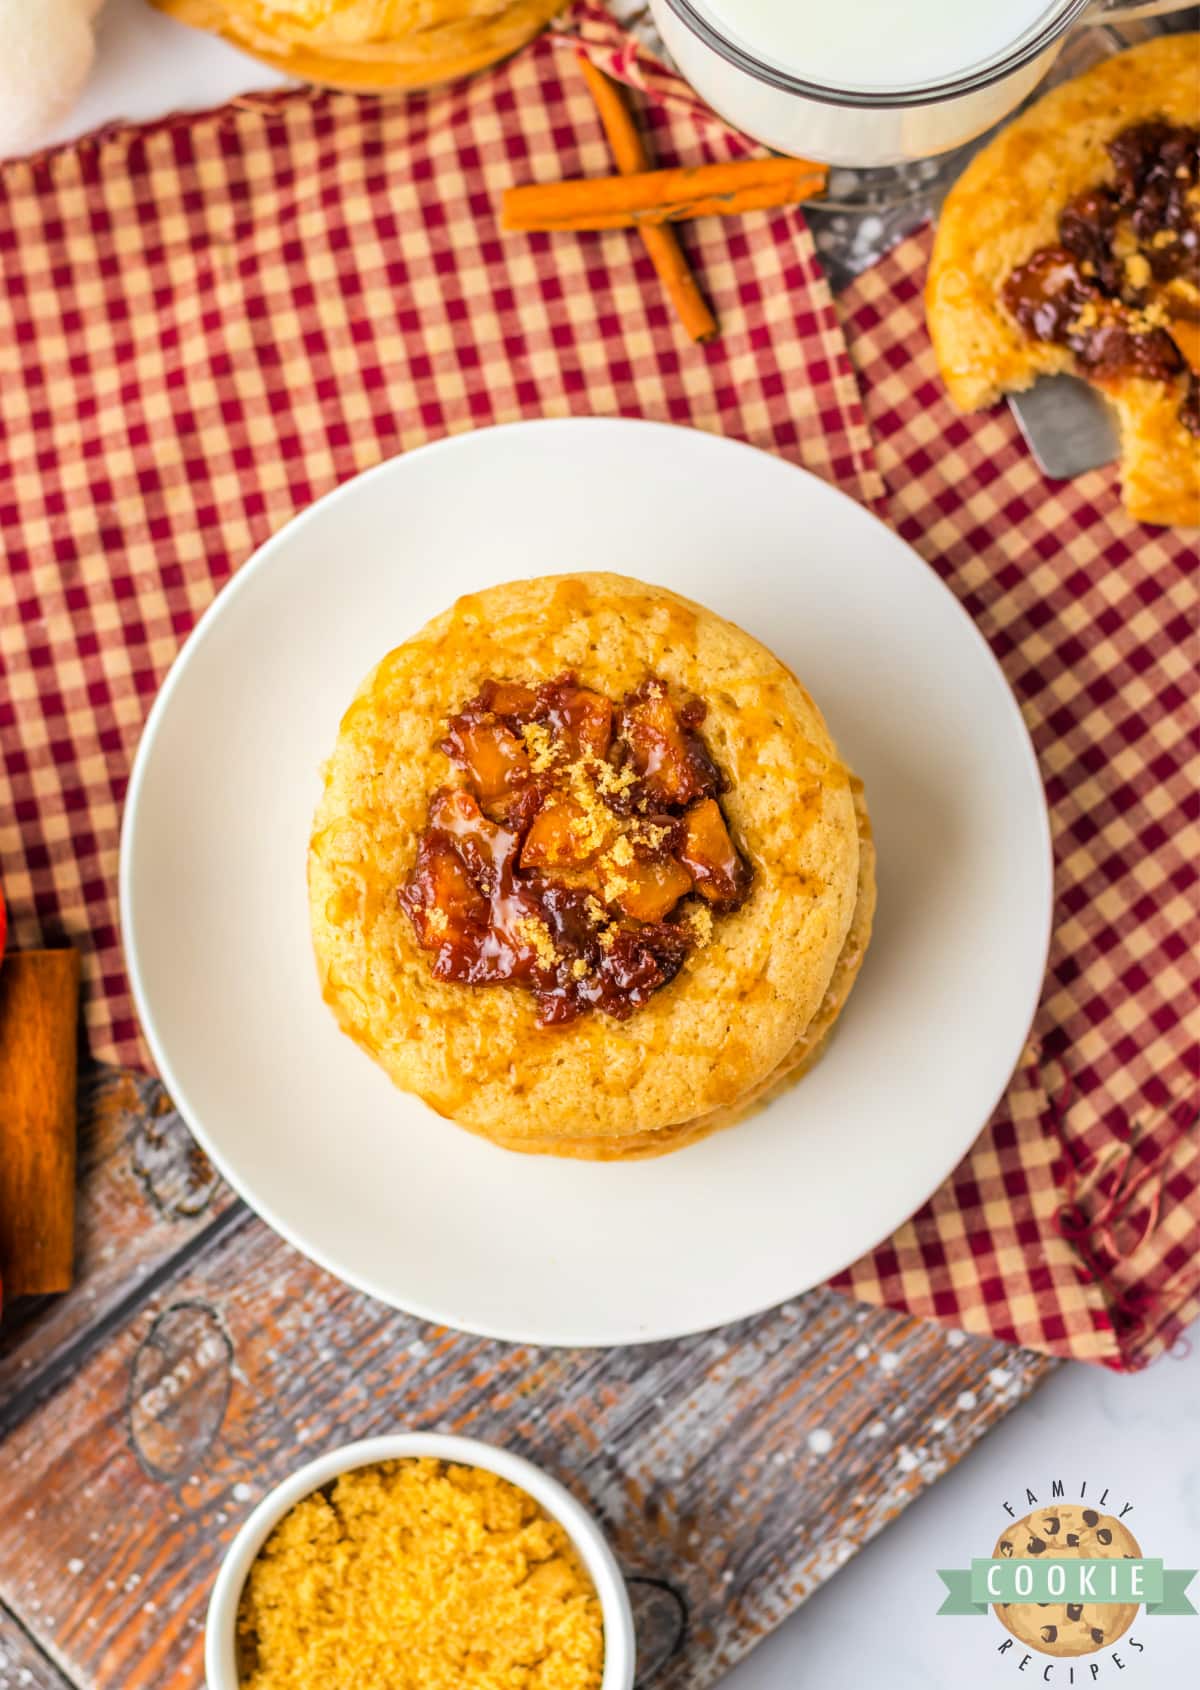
{"points": [[874, 1626]]}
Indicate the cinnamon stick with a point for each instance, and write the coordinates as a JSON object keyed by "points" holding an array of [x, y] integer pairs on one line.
{"points": [[661, 242], [652, 197], [39, 997]]}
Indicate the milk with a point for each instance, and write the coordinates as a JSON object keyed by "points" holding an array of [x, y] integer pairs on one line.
{"points": [[878, 44]]}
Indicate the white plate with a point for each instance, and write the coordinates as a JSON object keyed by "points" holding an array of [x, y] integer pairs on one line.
{"points": [[365, 1179]]}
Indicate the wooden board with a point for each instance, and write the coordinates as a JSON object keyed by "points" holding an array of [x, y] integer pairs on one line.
{"points": [[146, 1192], [22, 1664], [199, 1359]]}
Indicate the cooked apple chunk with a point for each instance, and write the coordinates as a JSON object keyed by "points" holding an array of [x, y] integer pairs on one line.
{"points": [[645, 891], [671, 760], [720, 873], [553, 840], [581, 720], [493, 759], [441, 898]]}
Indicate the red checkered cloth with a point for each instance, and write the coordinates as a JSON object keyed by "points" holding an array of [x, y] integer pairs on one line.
{"points": [[1074, 1224], [209, 322]]}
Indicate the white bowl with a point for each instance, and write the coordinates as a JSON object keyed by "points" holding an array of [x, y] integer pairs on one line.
{"points": [[220, 1657]]}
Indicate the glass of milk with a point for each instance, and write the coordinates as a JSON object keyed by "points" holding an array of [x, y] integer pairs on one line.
{"points": [[868, 82]]}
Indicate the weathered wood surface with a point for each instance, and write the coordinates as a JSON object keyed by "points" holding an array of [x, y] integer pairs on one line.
{"points": [[199, 1359], [146, 1191], [23, 1666]]}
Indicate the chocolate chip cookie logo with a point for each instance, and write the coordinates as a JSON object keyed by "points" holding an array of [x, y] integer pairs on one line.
{"points": [[1068, 1580]]}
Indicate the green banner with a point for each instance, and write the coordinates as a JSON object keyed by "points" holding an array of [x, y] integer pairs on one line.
{"points": [[1174, 1599], [973, 1589]]}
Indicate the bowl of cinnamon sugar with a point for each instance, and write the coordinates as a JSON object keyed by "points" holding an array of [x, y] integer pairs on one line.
{"points": [[419, 1559]]}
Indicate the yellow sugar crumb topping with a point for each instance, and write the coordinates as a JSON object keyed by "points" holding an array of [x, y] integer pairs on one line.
{"points": [[579, 968], [1137, 270], [1152, 315], [1124, 240], [622, 852], [591, 829], [419, 1575], [700, 921], [536, 935], [608, 780], [539, 746], [436, 920], [588, 832], [615, 885]]}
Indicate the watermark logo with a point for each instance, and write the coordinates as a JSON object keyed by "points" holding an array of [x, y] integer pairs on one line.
{"points": [[1068, 1580]]}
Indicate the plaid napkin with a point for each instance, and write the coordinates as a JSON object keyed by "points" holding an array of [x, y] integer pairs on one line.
{"points": [[208, 322], [1074, 1224]]}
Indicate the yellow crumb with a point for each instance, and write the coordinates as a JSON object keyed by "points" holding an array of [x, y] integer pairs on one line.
{"points": [[539, 745], [591, 828], [1124, 241], [614, 883], [621, 853], [608, 780], [536, 935], [588, 834], [596, 912], [1137, 270], [419, 1575], [700, 922], [436, 920], [579, 968], [608, 937]]}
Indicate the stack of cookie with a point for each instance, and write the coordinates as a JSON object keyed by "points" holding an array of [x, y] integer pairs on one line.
{"points": [[368, 45], [588, 874]]}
